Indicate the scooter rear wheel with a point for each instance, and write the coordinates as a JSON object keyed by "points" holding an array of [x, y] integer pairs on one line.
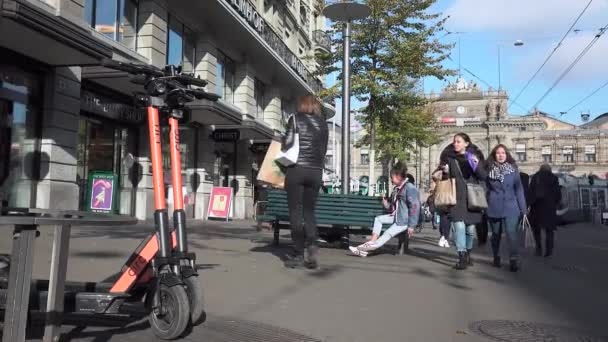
{"points": [[171, 320], [194, 289]]}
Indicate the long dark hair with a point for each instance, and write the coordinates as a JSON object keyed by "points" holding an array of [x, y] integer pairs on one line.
{"points": [[464, 137], [492, 157]]}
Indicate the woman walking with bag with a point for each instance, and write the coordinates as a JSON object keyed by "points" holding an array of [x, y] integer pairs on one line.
{"points": [[303, 180], [506, 203], [461, 161]]}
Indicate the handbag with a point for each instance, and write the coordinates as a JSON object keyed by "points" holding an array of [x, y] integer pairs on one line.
{"points": [[476, 195], [270, 172], [445, 193], [528, 234], [290, 157]]}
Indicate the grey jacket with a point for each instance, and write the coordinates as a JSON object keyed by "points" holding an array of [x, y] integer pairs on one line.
{"points": [[407, 203]]}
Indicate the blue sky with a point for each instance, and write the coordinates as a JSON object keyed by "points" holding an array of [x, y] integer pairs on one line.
{"points": [[540, 24]]}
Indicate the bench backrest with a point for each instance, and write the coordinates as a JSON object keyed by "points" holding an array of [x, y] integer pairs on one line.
{"points": [[334, 209]]}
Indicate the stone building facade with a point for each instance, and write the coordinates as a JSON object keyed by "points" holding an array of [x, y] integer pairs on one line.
{"points": [[532, 139], [63, 116]]}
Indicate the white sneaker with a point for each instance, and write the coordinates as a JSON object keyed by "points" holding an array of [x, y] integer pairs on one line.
{"points": [[366, 247], [446, 244], [356, 251], [442, 241]]}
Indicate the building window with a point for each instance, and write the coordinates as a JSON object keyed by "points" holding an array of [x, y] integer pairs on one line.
{"points": [[287, 33], [181, 45], [546, 152], [260, 98], [329, 161], [225, 78], [568, 152], [116, 19], [590, 153], [304, 16], [364, 158], [547, 158], [520, 152]]}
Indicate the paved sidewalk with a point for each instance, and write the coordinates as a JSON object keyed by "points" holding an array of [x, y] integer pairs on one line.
{"points": [[250, 296]]}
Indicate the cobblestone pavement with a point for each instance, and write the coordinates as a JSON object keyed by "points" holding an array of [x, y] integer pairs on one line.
{"points": [[250, 296]]}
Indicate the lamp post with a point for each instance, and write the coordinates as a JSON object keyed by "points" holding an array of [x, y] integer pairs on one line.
{"points": [[517, 43], [346, 12]]}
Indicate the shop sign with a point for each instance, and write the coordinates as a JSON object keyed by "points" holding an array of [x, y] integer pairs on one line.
{"points": [[220, 203], [109, 108], [101, 192], [247, 11], [226, 135]]}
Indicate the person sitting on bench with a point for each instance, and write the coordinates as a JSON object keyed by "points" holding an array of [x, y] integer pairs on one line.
{"points": [[404, 207]]}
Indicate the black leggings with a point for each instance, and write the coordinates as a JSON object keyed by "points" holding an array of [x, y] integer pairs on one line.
{"points": [[302, 185], [444, 225]]}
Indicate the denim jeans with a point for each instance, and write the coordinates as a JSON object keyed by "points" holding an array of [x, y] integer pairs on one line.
{"points": [[463, 235], [390, 233], [510, 226]]}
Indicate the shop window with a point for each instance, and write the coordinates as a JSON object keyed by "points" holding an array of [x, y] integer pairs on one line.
{"points": [[116, 19], [590, 154], [260, 98], [225, 86], [181, 45], [520, 152], [20, 167]]}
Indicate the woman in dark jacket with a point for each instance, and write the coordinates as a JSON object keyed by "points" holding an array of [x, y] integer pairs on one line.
{"points": [[461, 160], [304, 179], [545, 196], [506, 202]]}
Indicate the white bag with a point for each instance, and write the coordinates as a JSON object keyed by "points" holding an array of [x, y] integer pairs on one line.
{"points": [[290, 157], [528, 235]]}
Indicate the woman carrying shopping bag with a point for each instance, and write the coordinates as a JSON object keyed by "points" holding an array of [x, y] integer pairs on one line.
{"points": [[506, 203], [308, 134]]}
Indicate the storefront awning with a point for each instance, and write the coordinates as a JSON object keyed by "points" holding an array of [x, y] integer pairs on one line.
{"points": [[51, 39], [251, 129]]}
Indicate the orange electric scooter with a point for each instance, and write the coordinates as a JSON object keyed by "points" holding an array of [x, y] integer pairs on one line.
{"points": [[159, 280]]}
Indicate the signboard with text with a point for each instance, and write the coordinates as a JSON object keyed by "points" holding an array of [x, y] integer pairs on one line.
{"points": [[220, 202], [101, 192], [226, 135]]}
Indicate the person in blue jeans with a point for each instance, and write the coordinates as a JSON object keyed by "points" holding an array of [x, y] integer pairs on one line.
{"points": [[464, 162], [403, 208], [506, 202]]}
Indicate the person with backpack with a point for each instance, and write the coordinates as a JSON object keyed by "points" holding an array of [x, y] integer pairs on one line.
{"points": [[404, 212]]}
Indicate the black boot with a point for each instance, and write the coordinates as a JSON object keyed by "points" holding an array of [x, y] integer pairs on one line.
{"points": [[539, 251], [468, 256], [311, 258], [496, 262], [548, 253], [513, 266], [462, 261]]}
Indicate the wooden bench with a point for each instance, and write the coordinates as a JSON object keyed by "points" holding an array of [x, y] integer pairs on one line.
{"points": [[346, 214]]}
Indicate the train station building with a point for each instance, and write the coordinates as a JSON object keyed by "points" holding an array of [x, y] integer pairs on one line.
{"points": [[64, 118]]}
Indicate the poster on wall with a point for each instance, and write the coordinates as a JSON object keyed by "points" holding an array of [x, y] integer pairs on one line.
{"points": [[220, 203], [101, 192]]}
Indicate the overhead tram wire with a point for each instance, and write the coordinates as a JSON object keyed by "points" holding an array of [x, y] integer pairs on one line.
{"points": [[587, 97], [571, 66], [486, 83], [551, 54]]}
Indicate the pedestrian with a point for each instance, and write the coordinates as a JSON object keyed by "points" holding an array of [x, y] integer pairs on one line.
{"points": [[463, 161], [506, 203], [430, 202], [403, 207], [303, 180], [545, 196]]}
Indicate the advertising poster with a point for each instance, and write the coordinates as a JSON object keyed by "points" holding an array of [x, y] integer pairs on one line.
{"points": [[220, 203]]}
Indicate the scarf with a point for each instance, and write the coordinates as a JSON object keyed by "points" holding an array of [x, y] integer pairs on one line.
{"points": [[499, 171]]}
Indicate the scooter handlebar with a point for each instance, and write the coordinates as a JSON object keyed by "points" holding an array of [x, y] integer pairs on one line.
{"points": [[189, 80], [135, 69], [201, 94]]}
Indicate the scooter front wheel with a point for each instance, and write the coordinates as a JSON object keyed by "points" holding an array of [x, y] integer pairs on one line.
{"points": [[194, 289], [170, 320]]}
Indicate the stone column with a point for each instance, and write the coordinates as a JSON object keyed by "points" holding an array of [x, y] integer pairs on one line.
{"points": [[57, 188], [205, 168], [243, 201], [273, 112], [206, 64], [72, 9], [152, 31], [245, 89]]}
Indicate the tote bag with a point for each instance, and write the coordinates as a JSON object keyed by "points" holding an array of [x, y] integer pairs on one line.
{"points": [[445, 193], [290, 157], [270, 173], [476, 195], [528, 235]]}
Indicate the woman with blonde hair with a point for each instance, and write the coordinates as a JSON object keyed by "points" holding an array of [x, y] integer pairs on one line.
{"points": [[304, 179]]}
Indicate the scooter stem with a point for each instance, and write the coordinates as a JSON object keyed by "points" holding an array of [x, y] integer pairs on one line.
{"points": [[179, 215]]}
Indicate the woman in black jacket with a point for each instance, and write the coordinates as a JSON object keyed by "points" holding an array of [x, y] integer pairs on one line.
{"points": [[461, 160], [304, 179]]}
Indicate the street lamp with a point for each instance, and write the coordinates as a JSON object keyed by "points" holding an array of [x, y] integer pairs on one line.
{"points": [[517, 43], [346, 12]]}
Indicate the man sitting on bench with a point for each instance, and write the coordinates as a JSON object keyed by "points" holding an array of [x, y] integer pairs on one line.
{"points": [[404, 207]]}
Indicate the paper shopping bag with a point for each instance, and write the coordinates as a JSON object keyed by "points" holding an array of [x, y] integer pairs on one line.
{"points": [[272, 173]]}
